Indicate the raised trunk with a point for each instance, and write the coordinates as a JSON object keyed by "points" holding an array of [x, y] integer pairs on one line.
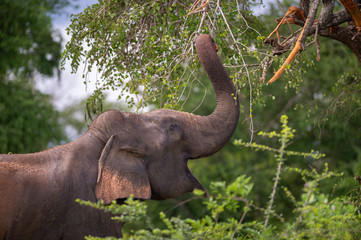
{"points": [[217, 128]]}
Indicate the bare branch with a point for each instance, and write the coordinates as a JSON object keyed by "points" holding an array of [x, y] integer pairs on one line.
{"points": [[328, 25], [202, 8], [326, 13], [354, 12], [292, 15], [267, 62], [317, 44], [309, 22], [300, 44], [304, 5]]}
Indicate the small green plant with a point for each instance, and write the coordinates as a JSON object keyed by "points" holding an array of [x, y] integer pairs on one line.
{"points": [[130, 211], [285, 136], [317, 216], [223, 198]]}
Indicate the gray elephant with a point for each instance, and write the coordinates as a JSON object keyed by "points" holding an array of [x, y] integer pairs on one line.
{"points": [[121, 154]]}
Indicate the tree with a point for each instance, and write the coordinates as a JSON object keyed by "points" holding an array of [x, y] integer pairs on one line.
{"points": [[28, 44], [328, 24], [28, 47], [151, 43], [28, 121], [146, 48]]}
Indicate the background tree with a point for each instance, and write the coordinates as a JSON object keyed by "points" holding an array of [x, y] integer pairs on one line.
{"points": [[29, 44], [28, 120], [29, 47]]}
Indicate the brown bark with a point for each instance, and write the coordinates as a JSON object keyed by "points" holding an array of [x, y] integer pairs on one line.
{"points": [[347, 36], [328, 25], [353, 11], [300, 40]]}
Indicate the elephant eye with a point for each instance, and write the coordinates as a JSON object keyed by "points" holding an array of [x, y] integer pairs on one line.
{"points": [[173, 127]]}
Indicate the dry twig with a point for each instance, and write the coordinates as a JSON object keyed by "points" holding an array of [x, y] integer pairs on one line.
{"points": [[203, 7], [300, 41]]}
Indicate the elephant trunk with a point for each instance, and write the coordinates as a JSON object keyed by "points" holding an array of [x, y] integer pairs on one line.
{"points": [[217, 128]]}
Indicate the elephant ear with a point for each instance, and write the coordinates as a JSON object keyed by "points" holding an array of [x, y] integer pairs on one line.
{"points": [[121, 173]]}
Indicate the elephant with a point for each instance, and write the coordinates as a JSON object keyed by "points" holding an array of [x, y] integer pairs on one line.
{"points": [[121, 154]]}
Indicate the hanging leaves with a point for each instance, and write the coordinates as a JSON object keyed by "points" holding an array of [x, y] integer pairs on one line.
{"points": [[145, 50]]}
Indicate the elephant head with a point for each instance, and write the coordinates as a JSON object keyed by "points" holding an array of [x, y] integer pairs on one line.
{"points": [[145, 155]]}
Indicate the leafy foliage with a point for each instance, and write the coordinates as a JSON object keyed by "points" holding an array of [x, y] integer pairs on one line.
{"points": [[27, 41], [320, 218], [28, 121], [147, 48], [28, 47]]}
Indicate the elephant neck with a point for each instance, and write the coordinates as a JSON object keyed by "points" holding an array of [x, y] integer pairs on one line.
{"points": [[79, 162], [84, 151]]}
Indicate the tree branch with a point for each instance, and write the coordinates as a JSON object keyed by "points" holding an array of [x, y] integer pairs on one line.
{"points": [[309, 23], [304, 5], [328, 25], [326, 13], [353, 11], [347, 37], [300, 44]]}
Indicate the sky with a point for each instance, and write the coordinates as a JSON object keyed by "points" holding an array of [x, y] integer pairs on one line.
{"points": [[71, 88]]}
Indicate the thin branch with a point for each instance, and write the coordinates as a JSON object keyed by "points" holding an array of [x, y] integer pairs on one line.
{"points": [[275, 184], [303, 206], [317, 44], [202, 100], [280, 5], [247, 72], [349, 116], [202, 21], [300, 41], [202, 8], [182, 203], [267, 62], [242, 217]]}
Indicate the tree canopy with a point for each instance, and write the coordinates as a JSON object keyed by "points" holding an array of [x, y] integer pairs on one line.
{"points": [[29, 48], [28, 43], [146, 48]]}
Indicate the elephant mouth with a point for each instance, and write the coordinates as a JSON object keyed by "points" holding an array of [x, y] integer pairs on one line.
{"points": [[120, 201], [185, 182], [194, 181]]}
